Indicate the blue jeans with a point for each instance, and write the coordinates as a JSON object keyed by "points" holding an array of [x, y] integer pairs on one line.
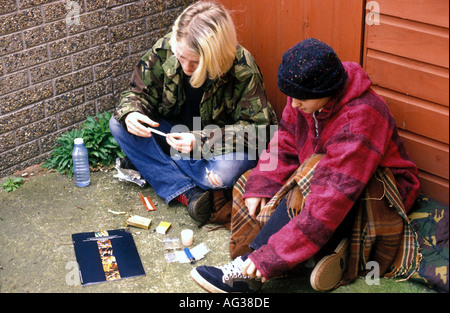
{"points": [[278, 219], [171, 176]]}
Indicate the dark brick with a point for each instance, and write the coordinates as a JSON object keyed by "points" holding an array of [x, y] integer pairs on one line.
{"points": [[102, 70], [117, 16], [51, 70], [17, 119], [171, 4], [105, 104], [113, 3], [89, 57], [64, 101], [95, 4], [69, 45], [99, 89], [145, 8], [99, 36], [128, 30], [121, 83], [25, 97], [33, 161], [17, 21], [11, 170], [48, 142], [36, 130], [25, 58], [46, 33], [143, 43], [56, 11], [89, 21], [119, 50], [125, 65], [10, 43], [72, 81], [7, 6], [155, 21], [52, 75], [29, 3], [19, 154], [7, 141], [76, 114], [13, 82]]}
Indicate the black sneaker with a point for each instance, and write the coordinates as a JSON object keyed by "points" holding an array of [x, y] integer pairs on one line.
{"points": [[224, 279], [199, 203], [126, 164]]}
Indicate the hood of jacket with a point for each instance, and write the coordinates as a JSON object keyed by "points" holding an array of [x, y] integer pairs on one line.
{"points": [[358, 83]]}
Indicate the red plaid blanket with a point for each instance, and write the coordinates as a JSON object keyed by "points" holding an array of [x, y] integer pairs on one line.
{"points": [[381, 230]]}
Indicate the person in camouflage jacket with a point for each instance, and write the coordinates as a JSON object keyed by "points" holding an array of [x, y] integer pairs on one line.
{"points": [[231, 117], [235, 101]]}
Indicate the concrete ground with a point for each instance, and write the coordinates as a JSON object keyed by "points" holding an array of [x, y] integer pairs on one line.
{"points": [[37, 254]]}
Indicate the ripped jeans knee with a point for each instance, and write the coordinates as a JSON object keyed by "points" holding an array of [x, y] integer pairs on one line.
{"points": [[222, 173], [215, 179]]}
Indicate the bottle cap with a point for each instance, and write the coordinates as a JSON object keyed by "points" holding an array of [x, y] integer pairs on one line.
{"points": [[78, 141]]}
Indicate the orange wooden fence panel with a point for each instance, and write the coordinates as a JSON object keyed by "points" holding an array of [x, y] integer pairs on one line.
{"points": [[267, 28], [407, 57]]}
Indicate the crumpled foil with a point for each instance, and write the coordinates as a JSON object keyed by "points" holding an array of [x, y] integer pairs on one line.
{"points": [[129, 175]]}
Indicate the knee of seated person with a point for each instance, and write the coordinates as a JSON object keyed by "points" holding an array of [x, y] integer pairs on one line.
{"points": [[220, 180], [115, 127]]}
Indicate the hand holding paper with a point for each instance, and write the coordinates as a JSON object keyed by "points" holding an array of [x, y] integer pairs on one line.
{"points": [[135, 124], [183, 142]]}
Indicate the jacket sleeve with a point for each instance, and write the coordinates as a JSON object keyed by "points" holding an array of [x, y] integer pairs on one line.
{"points": [[352, 155], [146, 86], [279, 161]]}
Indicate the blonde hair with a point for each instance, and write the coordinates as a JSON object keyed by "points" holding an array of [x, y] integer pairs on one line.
{"points": [[209, 31]]}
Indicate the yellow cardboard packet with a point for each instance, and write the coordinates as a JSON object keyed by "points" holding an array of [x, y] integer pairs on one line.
{"points": [[138, 221], [163, 227]]}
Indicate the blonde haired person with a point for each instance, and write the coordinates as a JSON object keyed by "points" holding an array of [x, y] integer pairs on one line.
{"points": [[194, 80], [207, 30]]}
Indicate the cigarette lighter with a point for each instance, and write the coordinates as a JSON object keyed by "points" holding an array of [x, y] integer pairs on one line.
{"points": [[189, 255]]}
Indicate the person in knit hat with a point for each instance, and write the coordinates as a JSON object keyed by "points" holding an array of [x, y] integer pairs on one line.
{"points": [[311, 70], [337, 143]]}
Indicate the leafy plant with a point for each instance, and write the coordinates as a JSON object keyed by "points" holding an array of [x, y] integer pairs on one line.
{"points": [[103, 149], [61, 156], [12, 184]]}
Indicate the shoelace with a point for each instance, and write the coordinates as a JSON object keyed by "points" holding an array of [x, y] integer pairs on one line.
{"points": [[233, 270], [183, 199]]}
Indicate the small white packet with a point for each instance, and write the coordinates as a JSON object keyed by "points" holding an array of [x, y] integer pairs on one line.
{"points": [[198, 252]]}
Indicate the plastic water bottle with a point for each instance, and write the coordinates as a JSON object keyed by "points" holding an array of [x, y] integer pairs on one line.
{"points": [[80, 164]]}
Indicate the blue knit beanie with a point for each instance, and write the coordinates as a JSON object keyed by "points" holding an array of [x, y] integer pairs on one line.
{"points": [[311, 70]]}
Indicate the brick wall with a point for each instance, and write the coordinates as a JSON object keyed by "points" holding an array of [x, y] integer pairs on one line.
{"points": [[62, 60]]}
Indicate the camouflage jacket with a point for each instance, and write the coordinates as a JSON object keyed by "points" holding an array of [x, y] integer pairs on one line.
{"points": [[235, 103]]}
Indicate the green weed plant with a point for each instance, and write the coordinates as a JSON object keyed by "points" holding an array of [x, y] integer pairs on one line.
{"points": [[12, 184]]}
